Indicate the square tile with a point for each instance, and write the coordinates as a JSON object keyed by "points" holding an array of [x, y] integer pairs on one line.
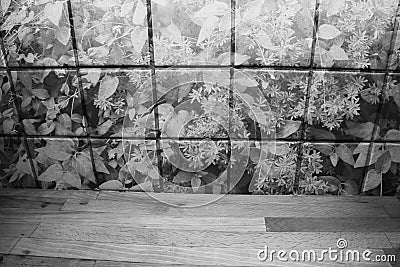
{"points": [[118, 103], [38, 34], [274, 33], [267, 104], [343, 105], [15, 168], [196, 166], [50, 102], [62, 162], [389, 118], [110, 33], [353, 168], [9, 115], [271, 169], [354, 34], [191, 32]]}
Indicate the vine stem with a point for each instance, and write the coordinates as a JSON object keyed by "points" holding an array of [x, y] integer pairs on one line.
{"points": [[94, 26]]}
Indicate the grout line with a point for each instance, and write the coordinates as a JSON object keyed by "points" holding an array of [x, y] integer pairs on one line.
{"points": [[154, 91], [307, 100], [80, 87], [172, 67], [380, 105], [196, 139]]}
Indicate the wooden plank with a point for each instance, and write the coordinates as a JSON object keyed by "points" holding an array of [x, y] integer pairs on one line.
{"points": [[393, 252], [203, 223], [394, 238], [187, 200], [366, 240], [23, 261], [17, 229], [7, 243], [159, 255], [136, 264], [30, 202], [177, 237], [392, 206], [154, 207], [347, 224], [89, 194]]}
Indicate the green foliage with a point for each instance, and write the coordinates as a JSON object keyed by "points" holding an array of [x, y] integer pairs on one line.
{"points": [[267, 104]]}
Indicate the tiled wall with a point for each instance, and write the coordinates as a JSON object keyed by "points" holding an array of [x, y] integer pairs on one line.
{"points": [[78, 72]]}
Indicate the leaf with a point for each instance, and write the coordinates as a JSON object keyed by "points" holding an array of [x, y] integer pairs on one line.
{"points": [[8, 125], [345, 154], [305, 22], [42, 94], [71, 179], [103, 128], [56, 153], [225, 22], [372, 180], [53, 173], [324, 149], [28, 127], [65, 121], [252, 10], [108, 86], [335, 6], [264, 40], [395, 153], [53, 11], [328, 32], [5, 4], [183, 176], [45, 129], [207, 28], [196, 183], [392, 135], [138, 38], [100, 167], [331, 180], [63, 35], [83, 166], [363, 130], [334, 159], [138, 166], [175, 123], [244, 79], [337, 53], [111, 185], [127, 7], [216, 8], [288, 129], [116, 55], [363, 150], [140, 13], [175, 33], [322, 134], [384, 162]]}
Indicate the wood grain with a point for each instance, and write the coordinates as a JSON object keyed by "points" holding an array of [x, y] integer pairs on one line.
{"points": [[394, 238], [24, 261], [28, 202], [346, 224], [158, 255], [153, 207], [392, 206], [184, 238], [17, 229], [7, 243]]}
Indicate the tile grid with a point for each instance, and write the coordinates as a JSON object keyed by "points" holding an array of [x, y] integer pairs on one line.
{"points": [[380, 105], [231, 66]]}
